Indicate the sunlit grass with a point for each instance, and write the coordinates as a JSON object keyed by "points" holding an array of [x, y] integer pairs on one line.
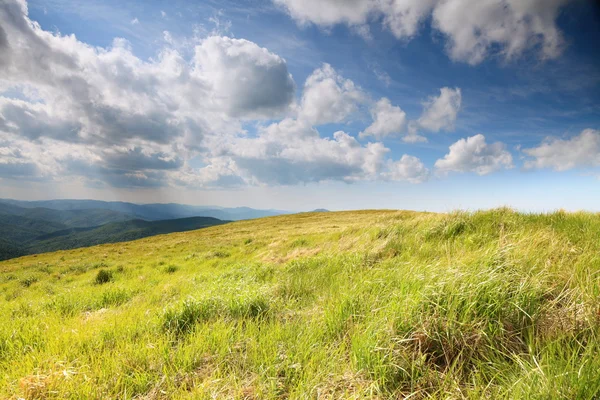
{"points": [[367, 304]]}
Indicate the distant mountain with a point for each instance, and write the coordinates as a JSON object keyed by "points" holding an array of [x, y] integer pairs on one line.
{"points": [[28, 227], [18, 230], [66, 218], [150, 212], [9, 250], [320, 210], [115, 232], [20, 236]]}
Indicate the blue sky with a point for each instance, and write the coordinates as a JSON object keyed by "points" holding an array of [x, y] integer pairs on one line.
{"points": [[364, 104]]}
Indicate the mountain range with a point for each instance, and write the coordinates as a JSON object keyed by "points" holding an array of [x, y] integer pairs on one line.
{"points": [[30, 227], [149, 212]]}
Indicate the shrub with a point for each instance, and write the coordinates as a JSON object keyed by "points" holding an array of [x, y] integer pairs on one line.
{"points": [[103, 276]]}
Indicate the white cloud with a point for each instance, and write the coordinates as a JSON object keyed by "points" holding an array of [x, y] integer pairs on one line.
{"points": [[408, 168], [135, 21], [328, 12], [292, 151], [246, 79], [113, 119], [403, 17], [473, 154], [582, 150], [163, 14], [220, 172], [472, 27], [139, 119], [106, 116], [328, 97], [387, 120], [440, 112], [412, 136]]}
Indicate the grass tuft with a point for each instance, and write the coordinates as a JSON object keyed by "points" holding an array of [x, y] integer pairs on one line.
{"points": [[103, 276]]}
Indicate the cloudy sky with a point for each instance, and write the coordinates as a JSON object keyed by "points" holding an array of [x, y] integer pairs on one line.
{"points": [[299, 104]]}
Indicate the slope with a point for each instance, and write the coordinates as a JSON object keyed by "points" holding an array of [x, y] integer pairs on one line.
{"points": [[370, 304], [20, 229], [115, 232]]}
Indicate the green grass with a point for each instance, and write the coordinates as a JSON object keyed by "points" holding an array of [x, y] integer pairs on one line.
{"points": [[366, 304]]}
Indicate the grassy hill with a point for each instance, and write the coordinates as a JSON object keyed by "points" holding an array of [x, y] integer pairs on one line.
{"points": [[369, 304]]}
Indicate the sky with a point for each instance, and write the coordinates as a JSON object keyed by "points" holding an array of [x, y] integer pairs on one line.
{"points": [[301, 104]]}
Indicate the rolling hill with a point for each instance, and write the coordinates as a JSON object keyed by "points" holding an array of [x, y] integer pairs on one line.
{"points": [[20, 227], [365, 304]]}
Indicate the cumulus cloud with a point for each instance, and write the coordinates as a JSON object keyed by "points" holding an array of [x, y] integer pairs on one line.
{"points": [[440, 112], [328, 12], [472, 27], [140, 165], [328, 97], [582, 150], [247, 79], [408, 168], [473, 154], [130, 114], [387, 120], [403, 17], [106, 117], [292, 151]]}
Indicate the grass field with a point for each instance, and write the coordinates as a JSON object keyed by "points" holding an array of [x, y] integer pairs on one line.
{"points": [[367, 304]]}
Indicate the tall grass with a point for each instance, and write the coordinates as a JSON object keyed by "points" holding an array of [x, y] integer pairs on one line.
{"points": [[366, 304]]}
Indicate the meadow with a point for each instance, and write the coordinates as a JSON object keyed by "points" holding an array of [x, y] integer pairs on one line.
{"points": [[365, 304]]}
